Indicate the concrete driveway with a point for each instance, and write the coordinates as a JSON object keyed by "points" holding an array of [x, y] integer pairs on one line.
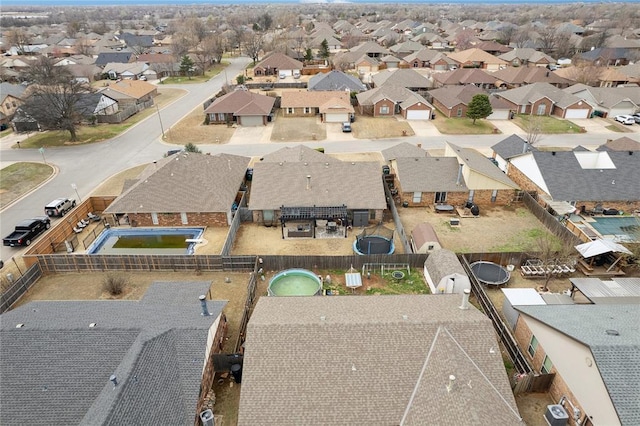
{"points": [[251, 135]]}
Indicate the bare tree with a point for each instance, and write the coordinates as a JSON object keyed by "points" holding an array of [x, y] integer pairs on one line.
{"points": [[552, 253], [464, 39], [206, 52], [521, 38], [507, 34], [253, 42], [563, 45], [548, 40], [585, 74], [55, 95], [19, 38], [533, 127]]}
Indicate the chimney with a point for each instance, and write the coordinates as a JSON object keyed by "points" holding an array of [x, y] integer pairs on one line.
{"points": [[465, 299], [459, 179], [308, 181], [114, 380], [203, 303]]}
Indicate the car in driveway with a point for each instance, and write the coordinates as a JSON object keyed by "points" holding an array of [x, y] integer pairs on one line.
{"points": [[346, 127], [624, 119], [636, 117]]}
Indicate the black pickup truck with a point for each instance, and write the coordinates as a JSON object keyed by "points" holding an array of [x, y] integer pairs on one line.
{"points": [[26, 231]]}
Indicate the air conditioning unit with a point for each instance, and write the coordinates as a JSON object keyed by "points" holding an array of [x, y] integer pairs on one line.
{"points": [[206, 417], [556, 415]]}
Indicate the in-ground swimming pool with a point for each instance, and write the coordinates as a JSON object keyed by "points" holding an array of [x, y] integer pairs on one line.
{"points": [[146, 241], [295, 282], [622, 228]]}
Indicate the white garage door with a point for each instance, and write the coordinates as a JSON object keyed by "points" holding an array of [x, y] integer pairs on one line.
{"points": [[620, 111], [418, 114], [336, 117], [577, 113], [251, 120]]}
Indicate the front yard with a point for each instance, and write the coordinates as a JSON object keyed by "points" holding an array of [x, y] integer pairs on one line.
{"points": [[295, 129], [463, 126], [547, 124], [366, 127]]}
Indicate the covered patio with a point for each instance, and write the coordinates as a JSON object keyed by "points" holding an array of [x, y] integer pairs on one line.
{"points": [[314, 222], [601, 258]]}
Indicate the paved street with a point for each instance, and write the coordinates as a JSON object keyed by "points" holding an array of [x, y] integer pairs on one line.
{"points": [[87, 166]]}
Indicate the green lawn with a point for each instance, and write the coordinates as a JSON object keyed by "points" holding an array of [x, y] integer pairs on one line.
{"points": [[20, 178], [6, 132], [618, 128], [548, 125], [212, 72], [463, 126]]}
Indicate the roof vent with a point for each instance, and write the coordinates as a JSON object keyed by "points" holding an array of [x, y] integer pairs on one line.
{"points": [[553, 153], [92, 325], [405, 317], [203, 303], [612, 332], [308, 181], [19, 325], [452, 379], [114, 380]]}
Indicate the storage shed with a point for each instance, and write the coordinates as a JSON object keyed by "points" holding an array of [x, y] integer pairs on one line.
{"points": [[444, 273], [516, 297], [424, 239]]}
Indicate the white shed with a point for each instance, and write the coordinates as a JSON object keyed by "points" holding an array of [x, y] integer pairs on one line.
{"points": [[424, 239], [444, 273], [516, 297]]}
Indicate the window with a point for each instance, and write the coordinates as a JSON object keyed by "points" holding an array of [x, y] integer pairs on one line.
{"points": [[384, 110], [307, 110], [154, 218], [441, 197], [542, 108], [417, 197], [289, 110], [533, 345], [185, 220], [547, 365], [459, 112]]}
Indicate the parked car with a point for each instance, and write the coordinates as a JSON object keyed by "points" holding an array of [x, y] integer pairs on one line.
{"points": [[26, 231], [296, 74], [636, 117], [59, 207], [346, 127], [624, 119]]}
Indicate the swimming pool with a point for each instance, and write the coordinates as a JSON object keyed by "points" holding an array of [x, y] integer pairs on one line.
{"points": [[622, 228], [295, 282], [146, 241]]}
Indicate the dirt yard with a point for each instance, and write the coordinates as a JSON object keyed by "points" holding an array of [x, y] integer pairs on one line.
{"points": [[297, 129], [192, 129], [366, 127]]}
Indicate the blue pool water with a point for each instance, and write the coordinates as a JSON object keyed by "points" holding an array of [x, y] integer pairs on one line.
{"points": [[105, 242], [623, 228]]}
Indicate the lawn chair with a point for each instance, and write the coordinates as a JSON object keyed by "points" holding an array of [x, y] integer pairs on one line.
{"points": [[77, 230], [598, 209], [94, 217], [81, 224]]}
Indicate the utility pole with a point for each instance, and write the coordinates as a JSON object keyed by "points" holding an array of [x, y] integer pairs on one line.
{"points": [[160, 118]]}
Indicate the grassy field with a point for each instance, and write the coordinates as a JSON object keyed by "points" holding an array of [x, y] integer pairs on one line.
{"points": [[548, 125], [380, 127], [463, 126], [211, 72], [100, 132], [620, 128], [297, 129], [20, 178], [192, 129]]}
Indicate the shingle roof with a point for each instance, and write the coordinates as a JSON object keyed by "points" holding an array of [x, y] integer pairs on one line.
{"points": [[402, 77], [441, 263], [313, 99], [185, 183], [429, 174], [56, 368], [298, 153], [15, 90], [511, 147], [397, 94], [532, 92], [335, 80], [478, 163], [341, 351], [454, 95], [280, 61], [403, 149], [526, 54], [476, 55], [242, 100], [358, 185], [616, 356], [621, 144], [465, 76], [134, 88], [528, 75], [106, 57]]}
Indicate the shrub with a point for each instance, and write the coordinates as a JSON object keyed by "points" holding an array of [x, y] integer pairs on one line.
{"points": [[115, 284]]}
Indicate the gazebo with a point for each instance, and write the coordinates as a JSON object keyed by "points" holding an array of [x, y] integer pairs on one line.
{"points": [[593, 249]]}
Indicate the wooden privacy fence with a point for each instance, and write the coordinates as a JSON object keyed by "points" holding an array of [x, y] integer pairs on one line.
{"points": [[19, 287], [531, 382], [549, 221], [233, 229], [396, 219], [277, 263], [246, 314]]}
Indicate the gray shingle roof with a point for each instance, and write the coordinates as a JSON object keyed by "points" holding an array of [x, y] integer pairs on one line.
{"points": [[185, 183], [566, 180], [441, 263], [617, 357], [106, 57], [402, 77], [372, 360], [478, 163], [511, 147], [242, 102], [335, 80], [56, 368], [429, 174], [403, 149], [299, 153], [532, 92], [357, 185], [15, 90]]}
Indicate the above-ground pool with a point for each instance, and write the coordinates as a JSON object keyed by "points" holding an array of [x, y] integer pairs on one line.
{"points": [[146, 241], [373, 244], [490, 273], [295, 282]]}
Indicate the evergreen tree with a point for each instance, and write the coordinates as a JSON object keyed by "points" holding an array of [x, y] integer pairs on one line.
{"points": [[308, 55], [479, 107], [186, 66], [324, 49]]}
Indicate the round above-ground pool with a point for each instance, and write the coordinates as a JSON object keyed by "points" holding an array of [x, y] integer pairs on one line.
{"points": [[373, 244], [490, 273], [295, 282]]}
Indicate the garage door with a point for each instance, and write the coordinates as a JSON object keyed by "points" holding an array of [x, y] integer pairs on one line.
{"points": [[251, 120], [336, 117], [418, 114], [577, 113]]}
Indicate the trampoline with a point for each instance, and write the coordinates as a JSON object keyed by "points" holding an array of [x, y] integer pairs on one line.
{"points": [[375, 240], [490, 273]]}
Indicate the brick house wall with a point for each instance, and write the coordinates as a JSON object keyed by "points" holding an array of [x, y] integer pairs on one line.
{"points": [[299, 112], [415, 107], [428, 198], [558, 387], [450, 112], [548, 107], [215, 118], [385, 102], [483, 197], [175, 219]]}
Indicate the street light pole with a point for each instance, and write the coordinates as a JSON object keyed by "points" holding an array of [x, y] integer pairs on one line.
{"points": [[75, 188], [160, 118], [42, 152]]}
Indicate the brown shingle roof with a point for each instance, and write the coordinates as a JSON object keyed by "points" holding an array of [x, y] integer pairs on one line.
{"points": [[280, 61], [372, 360], [429, 174], [134, 88], [312, 99], [476, 55], [185, 183], [242, 102]]}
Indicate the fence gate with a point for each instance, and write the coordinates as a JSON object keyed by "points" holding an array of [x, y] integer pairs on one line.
{"points": [[245, 214]]}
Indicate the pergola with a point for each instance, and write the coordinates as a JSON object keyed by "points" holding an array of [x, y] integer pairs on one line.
{"points": [[313, 213]]}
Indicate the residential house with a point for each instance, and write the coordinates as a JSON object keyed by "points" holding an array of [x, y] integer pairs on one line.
{"points": [[521, 76], [371, 49], [299, 181], [340, 376], [527, 57], [90, 104], [145, 361], [105, 58], [476, 58], [624, 144], [128, 71], [333, 106], [242, 107], [580, 177], [335, 80], [277, 64], [159, 65], [492, 47], [405, 48], [545, 99], [593, 350], [129, 93], [605, 56], [428, 58], [389, 100], [403, 150], [466, 76], [608, 101], [452, 101], [391, 62], [139, 43], [183, 189], [10, 99], [510, 147], [407, 78]]}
